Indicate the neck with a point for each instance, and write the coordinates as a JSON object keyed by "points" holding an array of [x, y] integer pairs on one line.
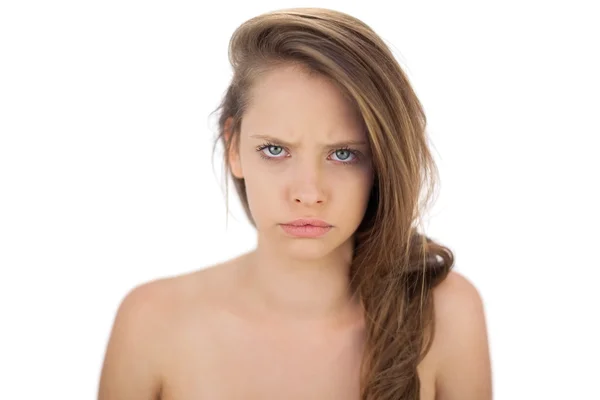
{"points": [[301, 289]]}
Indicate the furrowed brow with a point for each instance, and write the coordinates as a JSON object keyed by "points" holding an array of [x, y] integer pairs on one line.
{"points": [[343, 143]]}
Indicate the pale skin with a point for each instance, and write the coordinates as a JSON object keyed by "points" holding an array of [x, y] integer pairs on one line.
{"points": [[279, 322]]}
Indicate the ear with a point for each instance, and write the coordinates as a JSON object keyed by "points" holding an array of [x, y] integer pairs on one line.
{"points": [[234, 155]]}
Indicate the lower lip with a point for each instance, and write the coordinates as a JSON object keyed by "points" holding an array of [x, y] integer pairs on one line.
{"points": [[306, 231]]}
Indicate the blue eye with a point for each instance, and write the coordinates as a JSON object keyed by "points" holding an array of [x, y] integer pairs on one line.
{"points": [[343, 154], [273, 152]]}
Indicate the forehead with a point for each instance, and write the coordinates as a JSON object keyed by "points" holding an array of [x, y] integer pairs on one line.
{"points": [[293, 102]]}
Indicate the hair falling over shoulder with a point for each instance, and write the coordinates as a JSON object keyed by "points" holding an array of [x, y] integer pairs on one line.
{"points": [[394, 268]]}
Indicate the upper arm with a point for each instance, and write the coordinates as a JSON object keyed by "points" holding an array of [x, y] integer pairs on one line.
{"points": [[463, 361], [131, 363]]}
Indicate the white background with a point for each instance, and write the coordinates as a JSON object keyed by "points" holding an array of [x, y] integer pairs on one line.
{"points": [[106, 179]]}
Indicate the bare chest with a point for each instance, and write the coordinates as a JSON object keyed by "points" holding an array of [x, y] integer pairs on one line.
{"points": [[246, 365], [242, 364]]}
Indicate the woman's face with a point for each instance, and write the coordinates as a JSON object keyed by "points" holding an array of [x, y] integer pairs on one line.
{"points": [[303, 154]]}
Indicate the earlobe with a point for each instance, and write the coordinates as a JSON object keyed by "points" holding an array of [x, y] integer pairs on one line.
{"points": [[233, 157]]}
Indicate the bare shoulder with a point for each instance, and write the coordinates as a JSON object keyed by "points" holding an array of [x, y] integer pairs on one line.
{"points": [[146, 320], [136, 327], [461, 348]]}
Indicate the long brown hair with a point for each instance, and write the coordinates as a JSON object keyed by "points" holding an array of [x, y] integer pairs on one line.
{"points": [[394, 268]]}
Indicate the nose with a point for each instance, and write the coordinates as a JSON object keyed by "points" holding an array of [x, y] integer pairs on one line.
{"points": [[307, 186]]}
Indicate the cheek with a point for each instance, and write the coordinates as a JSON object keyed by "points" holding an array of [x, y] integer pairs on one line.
{"points": [[363, 188], [360, 184], [350, 189], [262, 189], [357, 179]]}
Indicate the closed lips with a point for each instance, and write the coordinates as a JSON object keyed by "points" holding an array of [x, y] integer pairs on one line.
{"points": [[309, 222]]}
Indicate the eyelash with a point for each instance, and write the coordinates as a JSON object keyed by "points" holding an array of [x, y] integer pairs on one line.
{"points": [[265, 145]]}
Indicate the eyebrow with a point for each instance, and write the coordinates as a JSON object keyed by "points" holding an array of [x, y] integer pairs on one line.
{"points": [[292, 145]]}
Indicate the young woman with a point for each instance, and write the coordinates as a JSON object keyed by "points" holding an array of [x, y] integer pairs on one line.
{"points": [[342, 297]]}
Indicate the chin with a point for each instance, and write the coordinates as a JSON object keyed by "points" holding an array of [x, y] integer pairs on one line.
{"points": [[314, 249], [308, 249]]}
